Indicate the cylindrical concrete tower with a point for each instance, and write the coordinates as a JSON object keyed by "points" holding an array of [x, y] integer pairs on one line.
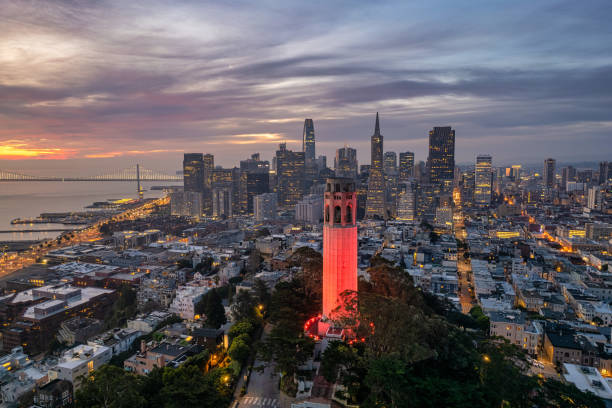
{"points": [[339, 242]]}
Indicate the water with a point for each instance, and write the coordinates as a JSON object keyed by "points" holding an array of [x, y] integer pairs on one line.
{"points": [[29, 199]]}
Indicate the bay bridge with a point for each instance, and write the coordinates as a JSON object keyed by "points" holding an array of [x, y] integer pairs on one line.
{"points": [[135, 173]]}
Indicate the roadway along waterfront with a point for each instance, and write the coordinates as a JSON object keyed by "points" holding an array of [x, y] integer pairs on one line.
{"points": [[14, 262]]}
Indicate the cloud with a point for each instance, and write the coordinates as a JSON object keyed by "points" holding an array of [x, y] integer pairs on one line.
{"points": [[159, 76]]}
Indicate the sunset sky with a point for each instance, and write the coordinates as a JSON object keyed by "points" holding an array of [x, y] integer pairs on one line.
{"points": [[98, 84]]}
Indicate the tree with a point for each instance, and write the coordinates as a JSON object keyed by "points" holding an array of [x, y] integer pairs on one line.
{"points": [[110, 387], [211, 306], [262, 294], [253, 262], [481, 318], [240, 350], [123, 309], [244, 305], [240, 328], [205, 266]]}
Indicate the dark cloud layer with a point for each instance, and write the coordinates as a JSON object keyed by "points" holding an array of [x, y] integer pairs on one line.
{"points": [[522, 80]]}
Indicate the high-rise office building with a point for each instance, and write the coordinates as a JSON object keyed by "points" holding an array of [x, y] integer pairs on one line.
{"points": [[308, 140], [482, 181], [391, 177], [265, 206], [256, 175], [406, 165], [594, 198], [289, 175], [441, 160], [345, 163], [309, 209], [186, 204], [222, 202], [390, 162], [376, 203], [222, 192], [466, 188], [193, 172], [604, 172], [209, 166], [549, 173], [406, 200], [567, 174]]}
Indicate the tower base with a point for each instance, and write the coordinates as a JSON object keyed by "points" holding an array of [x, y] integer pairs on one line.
{"points": [[318, 329]]}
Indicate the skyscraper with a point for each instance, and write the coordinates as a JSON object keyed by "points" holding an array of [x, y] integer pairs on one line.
{"points": [[376, 204], [289, 175], [549, 173], [308, 147], [406, 200], [406, 165], [482, 181], [193, 172], [391, 176], [567, 174], [604, 172], [345, 163], [209, 166], [308, 140], [256, 173], [441, 160], [390, 162], [264, 206]]}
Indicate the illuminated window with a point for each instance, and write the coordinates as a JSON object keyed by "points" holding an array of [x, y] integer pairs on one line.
{"points": [[90, 366]]}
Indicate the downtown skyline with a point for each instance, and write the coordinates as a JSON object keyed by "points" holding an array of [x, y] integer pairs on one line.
{"points": [[112, 84]]}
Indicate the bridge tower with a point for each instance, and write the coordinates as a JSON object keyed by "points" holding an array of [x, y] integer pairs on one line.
{"points": [[140, 193]]}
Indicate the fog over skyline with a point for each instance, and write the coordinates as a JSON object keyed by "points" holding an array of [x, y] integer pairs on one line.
{"points": [[95, 85]]}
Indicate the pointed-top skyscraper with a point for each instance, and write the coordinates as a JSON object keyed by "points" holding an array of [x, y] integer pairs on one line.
{"points": [[375, 204]]}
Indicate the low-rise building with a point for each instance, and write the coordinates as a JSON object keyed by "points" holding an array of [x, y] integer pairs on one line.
{"points": [[79, 361]]}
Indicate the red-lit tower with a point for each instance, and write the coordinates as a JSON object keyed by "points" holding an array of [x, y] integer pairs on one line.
{"points": [[339, 242]]}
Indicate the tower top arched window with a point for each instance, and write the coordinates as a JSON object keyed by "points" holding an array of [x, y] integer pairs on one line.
{"points": [[348, 215], [337, 215]]}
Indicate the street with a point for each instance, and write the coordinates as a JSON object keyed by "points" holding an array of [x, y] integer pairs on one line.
{"points": [[263, 386], [13, 262], [464, 269]]}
